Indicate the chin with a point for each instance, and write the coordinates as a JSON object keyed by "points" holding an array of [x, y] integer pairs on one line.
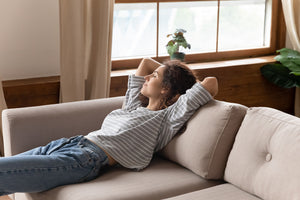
{"points": [[144, 93]]}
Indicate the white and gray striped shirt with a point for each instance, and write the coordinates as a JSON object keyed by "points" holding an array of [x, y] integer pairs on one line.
{"points": [[132, 134]]}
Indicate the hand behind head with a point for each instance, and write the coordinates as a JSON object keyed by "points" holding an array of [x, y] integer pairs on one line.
{"points": [[211, 85]]}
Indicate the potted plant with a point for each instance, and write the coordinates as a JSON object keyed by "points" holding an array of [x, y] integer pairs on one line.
{"points": [[286, 72], [177, 42]]}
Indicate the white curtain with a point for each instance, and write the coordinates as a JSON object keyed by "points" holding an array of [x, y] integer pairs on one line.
{"points": [[291, 9], [86, 37], [2, 106]]}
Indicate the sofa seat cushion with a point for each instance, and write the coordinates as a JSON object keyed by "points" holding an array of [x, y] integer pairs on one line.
{"points": [[206, 143], [224, 191], [265, 157], [161, 179]]}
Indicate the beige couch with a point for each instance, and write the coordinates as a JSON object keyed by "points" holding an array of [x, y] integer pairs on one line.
{"points": [[220, 154]]}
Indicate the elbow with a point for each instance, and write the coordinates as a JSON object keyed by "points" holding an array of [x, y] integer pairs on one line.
{"points": [[211, 85]]}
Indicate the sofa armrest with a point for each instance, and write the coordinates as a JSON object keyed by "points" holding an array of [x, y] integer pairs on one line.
{"points": [[26, 128]]}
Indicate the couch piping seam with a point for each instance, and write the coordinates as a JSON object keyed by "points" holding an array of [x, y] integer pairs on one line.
{"points": [[217, 142], [265, 115]]}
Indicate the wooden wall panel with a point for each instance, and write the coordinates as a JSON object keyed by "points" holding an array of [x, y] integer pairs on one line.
{"points": [[246, 85], [31, 92], [118, 86]]}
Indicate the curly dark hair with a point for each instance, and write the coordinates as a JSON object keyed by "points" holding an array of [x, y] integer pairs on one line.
{"points": [[177, 78]]}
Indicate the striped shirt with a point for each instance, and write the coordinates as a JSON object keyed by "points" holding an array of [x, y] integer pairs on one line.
{"points": [[132, 134]]}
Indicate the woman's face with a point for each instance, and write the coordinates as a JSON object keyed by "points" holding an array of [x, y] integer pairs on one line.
{"points": [[152, 87]]}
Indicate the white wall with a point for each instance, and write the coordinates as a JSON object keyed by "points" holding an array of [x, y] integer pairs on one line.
{"points": [[29, 39]]}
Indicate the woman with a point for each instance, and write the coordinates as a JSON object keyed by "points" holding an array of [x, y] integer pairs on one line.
{"points": [[159, 100]]}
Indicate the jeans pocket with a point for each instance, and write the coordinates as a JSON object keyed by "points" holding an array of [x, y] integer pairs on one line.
{"points": [[89, 163], [55, 145], [60, 143]]}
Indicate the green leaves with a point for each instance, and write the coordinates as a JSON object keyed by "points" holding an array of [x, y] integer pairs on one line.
{"points": [[290, 59], [172, 47], [285, 74], [178, 40], [280, 75]]}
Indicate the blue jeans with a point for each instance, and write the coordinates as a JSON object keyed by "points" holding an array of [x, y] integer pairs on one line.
{"points": [[61, 162]]}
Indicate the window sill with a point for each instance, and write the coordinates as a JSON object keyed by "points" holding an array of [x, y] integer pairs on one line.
{"points": [[207, 65]]}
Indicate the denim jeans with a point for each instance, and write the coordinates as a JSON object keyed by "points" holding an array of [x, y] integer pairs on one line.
{"points": [[61, 162]]}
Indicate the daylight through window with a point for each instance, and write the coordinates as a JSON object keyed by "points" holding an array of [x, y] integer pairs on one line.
{"points": [[140, 29]]}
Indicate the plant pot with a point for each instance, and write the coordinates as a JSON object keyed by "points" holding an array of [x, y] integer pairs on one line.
{"points": [[178, 56]]}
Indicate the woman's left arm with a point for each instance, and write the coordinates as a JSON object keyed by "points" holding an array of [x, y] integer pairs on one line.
{"points": [[181, 111], [211, 85], [188, 103]]}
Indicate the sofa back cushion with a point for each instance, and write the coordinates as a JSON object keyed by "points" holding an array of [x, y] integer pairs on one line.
{"points": [[265, 158], [205, 144]]}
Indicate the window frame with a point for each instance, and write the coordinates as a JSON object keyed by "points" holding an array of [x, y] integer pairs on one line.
{"points": [[277, 40]]}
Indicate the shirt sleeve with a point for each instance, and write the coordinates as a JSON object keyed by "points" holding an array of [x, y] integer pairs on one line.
{"points": [[179, 113], [135, 84]]}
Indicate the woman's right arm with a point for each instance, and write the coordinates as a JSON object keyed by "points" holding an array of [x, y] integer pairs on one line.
{"points": [[135, 83], [188, 103], [182, 110], [147, 66]]}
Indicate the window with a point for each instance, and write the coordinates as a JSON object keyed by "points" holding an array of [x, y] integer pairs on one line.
{"points": [[216, 29], [243, 25], [134, 30], [198, 18]]}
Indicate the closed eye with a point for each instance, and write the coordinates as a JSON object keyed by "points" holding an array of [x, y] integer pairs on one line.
{"points": [[155, 74]]}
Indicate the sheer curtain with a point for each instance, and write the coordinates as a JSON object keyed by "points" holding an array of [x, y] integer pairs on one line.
{"points": [[291, 9], [2, 106], [86, 37]]}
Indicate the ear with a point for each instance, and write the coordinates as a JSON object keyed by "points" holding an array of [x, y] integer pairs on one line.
{"points": [[164, 90]]}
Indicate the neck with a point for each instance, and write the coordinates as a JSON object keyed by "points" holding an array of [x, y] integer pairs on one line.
{"points": [[154, 104]]}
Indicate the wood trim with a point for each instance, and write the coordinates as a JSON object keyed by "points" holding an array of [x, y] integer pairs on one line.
{"points": [[281, 28], [196, 58], [30, 81], [274, 25], [240, 82], [154, 1], [218, 27]]}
